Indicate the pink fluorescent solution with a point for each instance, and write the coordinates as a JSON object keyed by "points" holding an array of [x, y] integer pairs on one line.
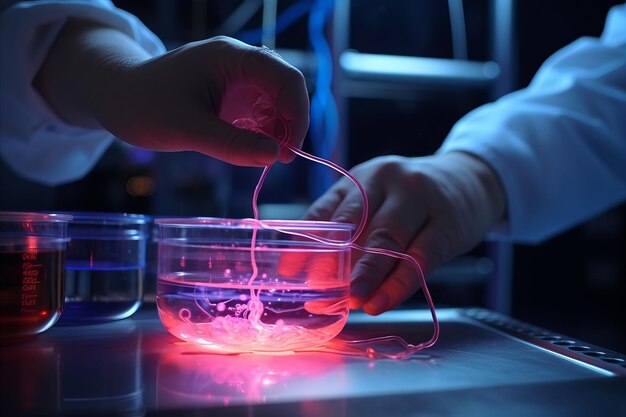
{"points": [[274, 318], [283, 299], [285, 293]]}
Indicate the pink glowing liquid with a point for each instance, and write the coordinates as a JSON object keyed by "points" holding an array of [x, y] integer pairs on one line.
{"points": [[249, 332], [228, 317]]}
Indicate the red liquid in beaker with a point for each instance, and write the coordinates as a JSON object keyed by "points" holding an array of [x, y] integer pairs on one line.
{"points": [[31, 290]]}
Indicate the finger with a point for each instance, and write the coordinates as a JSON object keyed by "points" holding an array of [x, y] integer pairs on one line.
{"points": [[350, 208], [393, 227], [214, 137], [344, 202], [291, 264], [325, 206], [321, 269], [275, 77], [321, 272], [430, 249], [399, 285], [338, 306]]}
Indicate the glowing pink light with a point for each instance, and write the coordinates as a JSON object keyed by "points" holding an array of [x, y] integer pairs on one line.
{"points": [[264, 106], [241, 329], [184, 377]]}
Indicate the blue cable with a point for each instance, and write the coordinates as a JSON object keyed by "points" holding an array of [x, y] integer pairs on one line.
{"points": [[283, 21], [324, 113]]}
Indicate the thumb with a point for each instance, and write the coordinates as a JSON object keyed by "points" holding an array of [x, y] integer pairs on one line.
{"points": [[231, 144], [432, 247], [269, 74]]}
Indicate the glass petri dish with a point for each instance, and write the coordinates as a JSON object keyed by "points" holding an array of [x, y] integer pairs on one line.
{"points": [[289, 292]]}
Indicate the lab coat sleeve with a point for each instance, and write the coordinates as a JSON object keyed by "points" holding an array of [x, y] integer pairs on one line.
{"points": [[559, 145], [34, 141]]}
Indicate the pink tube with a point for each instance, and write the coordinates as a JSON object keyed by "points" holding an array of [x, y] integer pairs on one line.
{"points": [[264, 106]]}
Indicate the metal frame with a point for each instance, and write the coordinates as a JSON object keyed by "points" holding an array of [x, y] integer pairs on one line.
{"points": [[354, 77]]}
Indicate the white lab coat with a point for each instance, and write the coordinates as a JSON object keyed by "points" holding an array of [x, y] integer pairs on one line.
{"points": [[34, 142], [559, 145]]}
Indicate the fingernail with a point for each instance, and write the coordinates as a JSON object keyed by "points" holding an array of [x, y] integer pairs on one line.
{"points": [[359, 290], [378, 302]]}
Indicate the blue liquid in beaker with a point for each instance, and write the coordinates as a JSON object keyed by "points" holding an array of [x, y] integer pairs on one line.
{"points": [[101, 292]]}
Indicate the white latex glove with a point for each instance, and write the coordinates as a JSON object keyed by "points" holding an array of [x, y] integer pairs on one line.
{"points": [[184, 100], [432, 208]]}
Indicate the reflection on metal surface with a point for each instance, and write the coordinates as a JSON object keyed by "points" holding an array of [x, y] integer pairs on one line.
{"points": [[29, 380], [612, 363], [468, 356], [102, 372], [84, 373], [134, 367], [188, 376]]}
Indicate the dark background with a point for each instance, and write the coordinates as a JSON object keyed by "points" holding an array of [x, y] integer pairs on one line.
{"points": [[574, 283]]}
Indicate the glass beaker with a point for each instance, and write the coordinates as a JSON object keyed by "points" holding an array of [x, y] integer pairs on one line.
{"points": [[106, 261], [32, 267], [288, 293]]}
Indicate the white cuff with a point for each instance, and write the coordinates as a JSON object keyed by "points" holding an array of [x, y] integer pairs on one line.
{"points": [[34, 141]]}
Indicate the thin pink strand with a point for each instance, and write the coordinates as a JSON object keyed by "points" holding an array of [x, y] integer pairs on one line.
{"points": [[409, 349], [255, 209]]}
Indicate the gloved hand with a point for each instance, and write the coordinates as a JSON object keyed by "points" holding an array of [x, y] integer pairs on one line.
{"points": [[432, 208], [184, 100]]}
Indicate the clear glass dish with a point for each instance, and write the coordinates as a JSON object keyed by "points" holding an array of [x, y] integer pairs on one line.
{"points": [[289, 293], [106, 262]]}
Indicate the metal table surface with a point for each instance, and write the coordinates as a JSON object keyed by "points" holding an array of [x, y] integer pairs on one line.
{"points": [[483, 364]]}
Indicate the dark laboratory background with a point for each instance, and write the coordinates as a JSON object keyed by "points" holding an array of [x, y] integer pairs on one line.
{"points": [[574, 283]]}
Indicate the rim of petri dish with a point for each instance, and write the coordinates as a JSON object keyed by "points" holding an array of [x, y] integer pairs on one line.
{"points": [[34, 216], [108, 218], [218, 222]]}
